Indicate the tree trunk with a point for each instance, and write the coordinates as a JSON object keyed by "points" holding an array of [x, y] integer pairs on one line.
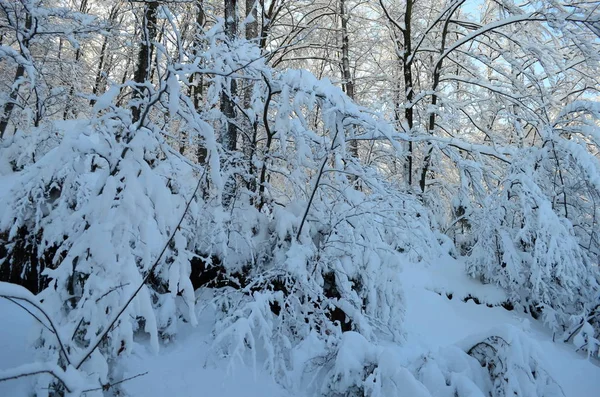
{"points": [[12, 98], [436, 81], [99, 77], [250, 126], [266, 22], [145, 55], [105, 60], [251, 27], [196, 89], [228, 136], [404, 53], [348, 83], [68, 106], [83, 8], [408, 85]]}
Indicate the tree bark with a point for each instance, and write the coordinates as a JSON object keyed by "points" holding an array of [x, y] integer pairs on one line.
{"points": [[196, 88], [436, 81], [83, 8], [407, 59], [68, 106], [228, 136], [251, 27], [102, 61], [266, 22], [99, 77], [12, 98], [404, 52], [144, 62], [250, 126], [348, 82]]}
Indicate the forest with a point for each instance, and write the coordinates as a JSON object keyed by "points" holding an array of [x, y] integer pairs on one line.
{"points": [[369, 198]]}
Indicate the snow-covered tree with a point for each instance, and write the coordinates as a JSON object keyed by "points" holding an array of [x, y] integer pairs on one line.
{"points": [[190, 162]]}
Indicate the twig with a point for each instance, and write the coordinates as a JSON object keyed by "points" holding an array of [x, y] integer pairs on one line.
{"points": [[39, 320], [106, 387], [317, 184], [54, 330], [111, 290], [36, 369], [593, 313]]}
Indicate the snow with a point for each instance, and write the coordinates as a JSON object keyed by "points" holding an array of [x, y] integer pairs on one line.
{"points": [[181, 372], [434, 323], [335, 243], [16, 327], [16, 334], [6, 183], [184, 368]]}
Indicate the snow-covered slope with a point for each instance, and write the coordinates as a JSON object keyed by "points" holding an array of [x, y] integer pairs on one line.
{"points": [[434, 321], [433, 324], [16, 336]]}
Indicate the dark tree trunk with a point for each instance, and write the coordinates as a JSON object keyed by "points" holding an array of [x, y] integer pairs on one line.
{"points": [[266, 22], [144, 62], [434, 98], [12, 98], [252, 27], [408, 86], [99, 74], [250, 125], [229, 132], [404, 52], [83, 8], [228, 136], [348, 82], [69, 103], [196, 90]]}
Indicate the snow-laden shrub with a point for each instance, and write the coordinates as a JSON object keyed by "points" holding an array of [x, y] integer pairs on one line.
{"points": [[586, 339], [25, 147], [309, 243], [450, 372], [524, 246], [360, 368], [327, 242], [535, 234], [99, 209], [501, 362], [340, 276], [513, 363], [109, 219]]}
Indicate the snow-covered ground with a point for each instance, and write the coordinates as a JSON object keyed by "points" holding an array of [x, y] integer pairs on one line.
{"points": [[16, 336], [435, 321], [432, 322]]}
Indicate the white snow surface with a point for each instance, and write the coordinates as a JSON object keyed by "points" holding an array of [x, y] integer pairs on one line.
{"points": [[433, 324], [17, 332]]}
